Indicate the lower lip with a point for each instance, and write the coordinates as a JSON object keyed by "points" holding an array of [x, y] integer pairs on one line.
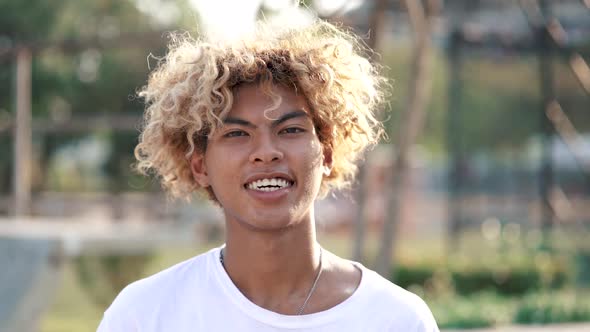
{"points": [[269, 196]]}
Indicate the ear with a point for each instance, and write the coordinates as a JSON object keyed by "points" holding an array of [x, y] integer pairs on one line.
{"points": [[327, 165], [199, 169]]}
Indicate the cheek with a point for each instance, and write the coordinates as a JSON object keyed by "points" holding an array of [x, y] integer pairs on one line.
{"points": [[313, 157], [221, 170], [318, 152]]}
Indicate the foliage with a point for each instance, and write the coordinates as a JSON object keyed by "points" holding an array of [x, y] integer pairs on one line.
{"points": [[499, 107], [491, 309], [509, 278], [511, 282], [407, 276], [475, 311], [583, 267], [548, 308], [69, 82]]}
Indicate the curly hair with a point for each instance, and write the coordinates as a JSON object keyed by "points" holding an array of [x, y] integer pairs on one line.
{"points": [[192, 91]]}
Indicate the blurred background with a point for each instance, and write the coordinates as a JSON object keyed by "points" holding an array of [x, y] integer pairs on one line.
{"points": [[479, 201]]}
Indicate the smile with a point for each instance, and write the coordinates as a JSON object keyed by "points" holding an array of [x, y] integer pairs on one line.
{"points": [[272, 184]]}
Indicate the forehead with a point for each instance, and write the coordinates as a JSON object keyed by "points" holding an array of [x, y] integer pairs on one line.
{"points": [[252, 99]]}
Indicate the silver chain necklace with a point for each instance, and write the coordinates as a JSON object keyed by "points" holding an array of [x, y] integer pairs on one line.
{"points": [[313, 286]]}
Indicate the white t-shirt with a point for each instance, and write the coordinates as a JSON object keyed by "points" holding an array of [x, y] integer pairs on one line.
{"points": [[198, 295]]}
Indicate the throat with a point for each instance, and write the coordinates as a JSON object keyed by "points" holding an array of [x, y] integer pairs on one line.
{"points": [[275, 293]]}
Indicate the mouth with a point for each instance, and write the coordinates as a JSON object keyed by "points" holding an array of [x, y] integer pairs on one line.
{"points": [[269, 184]]}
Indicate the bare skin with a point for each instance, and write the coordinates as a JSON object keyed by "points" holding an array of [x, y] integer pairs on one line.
{"points": [[271, 252]]}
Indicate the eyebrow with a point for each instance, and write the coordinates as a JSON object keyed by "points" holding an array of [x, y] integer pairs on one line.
{"points": [[276, 122]]}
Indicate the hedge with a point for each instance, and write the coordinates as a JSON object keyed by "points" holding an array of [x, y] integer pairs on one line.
{"points": [[506, 280]]}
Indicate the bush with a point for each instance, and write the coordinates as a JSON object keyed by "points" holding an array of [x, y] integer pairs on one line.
{"points": [[552, 308], [408, 276], [506, 282], [486, 309], [476, 311], [506, 279]]}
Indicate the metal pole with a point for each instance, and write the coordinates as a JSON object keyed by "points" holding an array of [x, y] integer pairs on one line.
{"points": [[546, 181]]}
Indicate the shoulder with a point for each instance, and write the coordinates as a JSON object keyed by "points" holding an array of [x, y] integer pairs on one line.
{"points": [[407, 310], [161, 283], [145, 296]]}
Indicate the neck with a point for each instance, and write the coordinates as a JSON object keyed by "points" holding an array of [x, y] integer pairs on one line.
{"points": [[274, 269]]}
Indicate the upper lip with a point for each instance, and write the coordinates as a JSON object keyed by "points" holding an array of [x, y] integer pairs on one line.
{"points": [[260, 176]]}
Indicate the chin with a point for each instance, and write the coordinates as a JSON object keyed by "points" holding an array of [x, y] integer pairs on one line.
{"points": [[268, 223], [267, 227]]}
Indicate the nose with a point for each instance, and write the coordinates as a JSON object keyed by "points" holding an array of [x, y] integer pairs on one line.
{"points": [[265, 150]]}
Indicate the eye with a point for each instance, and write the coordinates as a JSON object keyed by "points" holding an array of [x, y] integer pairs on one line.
{"points": [[235, 133], [292, 130]]}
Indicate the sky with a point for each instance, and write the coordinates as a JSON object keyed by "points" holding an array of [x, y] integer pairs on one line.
{"points": [[231, 19]]}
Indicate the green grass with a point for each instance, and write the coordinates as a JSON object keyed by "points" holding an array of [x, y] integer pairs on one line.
{"points": [[72, 309]]}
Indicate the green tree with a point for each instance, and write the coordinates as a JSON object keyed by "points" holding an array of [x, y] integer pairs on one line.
{"points": [[86, 62]]}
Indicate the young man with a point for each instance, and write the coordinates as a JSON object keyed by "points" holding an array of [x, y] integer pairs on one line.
{"points": [[263, 128]]}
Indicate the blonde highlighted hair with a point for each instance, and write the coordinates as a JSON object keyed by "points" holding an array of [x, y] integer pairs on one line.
{"points": [[192, 90]]}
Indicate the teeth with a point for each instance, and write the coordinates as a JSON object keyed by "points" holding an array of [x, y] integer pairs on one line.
{"points": [[268, 184]]}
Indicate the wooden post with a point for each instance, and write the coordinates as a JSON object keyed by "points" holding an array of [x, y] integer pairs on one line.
{"points": [[22, 134], [413, 117], [376, 21]]}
